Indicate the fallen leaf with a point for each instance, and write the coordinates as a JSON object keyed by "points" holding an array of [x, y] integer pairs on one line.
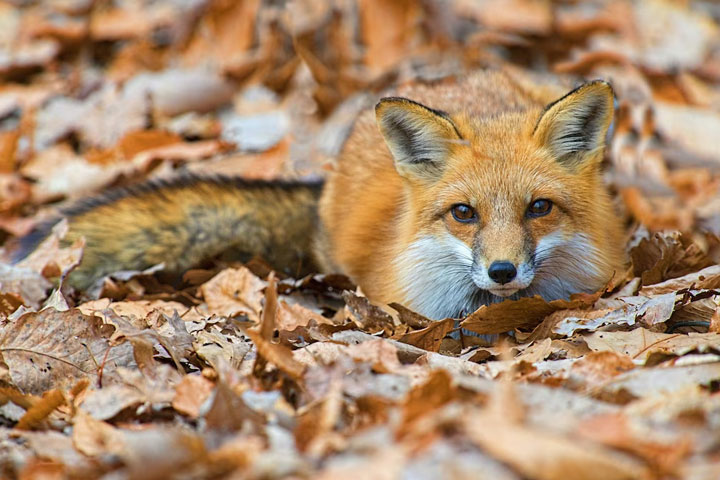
{"points": [[596, 368], [650, 310], [640, 343], [228, 412], [706, 278], [513, 314], [619, 431], [547, 456], [53, 350], [190, 394], [655, 381], [430, 337], [41, 409], [233, 292]]}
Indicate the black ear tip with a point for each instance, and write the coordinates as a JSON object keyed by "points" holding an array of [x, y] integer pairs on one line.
{"points": [[599, 84], [391, 100]]}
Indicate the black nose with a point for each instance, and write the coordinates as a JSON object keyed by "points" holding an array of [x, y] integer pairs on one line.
{"points": [[502, 272]]}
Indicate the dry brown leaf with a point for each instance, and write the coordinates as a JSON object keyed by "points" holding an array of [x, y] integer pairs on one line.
{"points": [[641, 343], [226, 31], [652, 24], [293, 315], [9, 302], [315, 432], [435, 392], [109, 401], [187, 151], [268, 320], [515, 16], [156, 452], [513, 314], [657, 213], [430, 337], [8, 148], [410, 318], [45, 257], [190, 394], [135, 142], [650, 311], [128, 22], [12, 394], [228, 412], [278, 355], [387, 43], [41, 409], [368, 315], [59, 172], [137, 309], [216, 349], [596, 368], [547, 456], [534, 352], [618, 431], [655, 381], [268, 165], [715, 321], [667, 256], [691, 127], [27, 285], [234, 291], [14, 192], [707, 278], [52, 350], [94, 437]]}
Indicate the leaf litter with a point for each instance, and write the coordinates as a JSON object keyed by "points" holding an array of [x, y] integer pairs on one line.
{"points": [[234, 372]]}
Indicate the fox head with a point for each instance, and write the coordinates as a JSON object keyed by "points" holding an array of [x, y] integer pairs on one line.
{"points": [[508, 206]]}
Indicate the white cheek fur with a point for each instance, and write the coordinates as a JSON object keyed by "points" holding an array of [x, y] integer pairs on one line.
{"points": [[435, 274], [565, 266]]}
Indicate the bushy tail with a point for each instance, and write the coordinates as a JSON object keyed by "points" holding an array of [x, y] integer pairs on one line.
{"points": [[182, 221]]}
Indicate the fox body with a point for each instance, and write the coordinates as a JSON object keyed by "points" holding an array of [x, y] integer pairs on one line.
{"points": [[445, 198]]}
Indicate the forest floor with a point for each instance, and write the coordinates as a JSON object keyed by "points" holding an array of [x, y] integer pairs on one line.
{"points": [[242, 373]]}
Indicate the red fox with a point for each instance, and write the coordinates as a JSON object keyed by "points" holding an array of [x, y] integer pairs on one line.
{"points": [[445, 198]]}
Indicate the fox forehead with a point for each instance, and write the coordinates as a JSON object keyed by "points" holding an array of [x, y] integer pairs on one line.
{"points": [[499, 160], [502, 182]]}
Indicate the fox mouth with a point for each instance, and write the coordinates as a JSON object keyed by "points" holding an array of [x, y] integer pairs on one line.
{"points": [[504, 292]]}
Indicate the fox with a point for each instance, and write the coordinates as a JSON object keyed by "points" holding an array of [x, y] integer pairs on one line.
{"points": [[445, 197]]}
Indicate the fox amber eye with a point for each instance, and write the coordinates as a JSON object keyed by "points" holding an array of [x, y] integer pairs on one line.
{"points": [[463, 213], [539, 208]]}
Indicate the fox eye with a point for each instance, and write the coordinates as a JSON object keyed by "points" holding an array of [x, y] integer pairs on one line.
{"points": [[539, 208], [463, 213]]}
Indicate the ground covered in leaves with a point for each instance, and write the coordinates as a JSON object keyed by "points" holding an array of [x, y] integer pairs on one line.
{"points": [[236, 372]]}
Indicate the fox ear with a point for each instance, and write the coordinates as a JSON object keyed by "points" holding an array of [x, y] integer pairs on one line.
{"points": [[418, 137], [574, 127]]}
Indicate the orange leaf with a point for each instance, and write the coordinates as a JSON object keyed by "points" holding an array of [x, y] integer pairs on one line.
{"points": [[41, 410]]}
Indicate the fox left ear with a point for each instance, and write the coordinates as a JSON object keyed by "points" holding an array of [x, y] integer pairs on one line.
{"points": [[418, 137], [574, 127]]}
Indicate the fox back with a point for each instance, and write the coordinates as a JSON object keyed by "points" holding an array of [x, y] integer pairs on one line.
{"points": [[468, 193]]}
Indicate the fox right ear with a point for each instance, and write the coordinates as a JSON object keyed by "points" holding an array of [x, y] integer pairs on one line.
{"points": [[418, 137], [574, 127]]}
